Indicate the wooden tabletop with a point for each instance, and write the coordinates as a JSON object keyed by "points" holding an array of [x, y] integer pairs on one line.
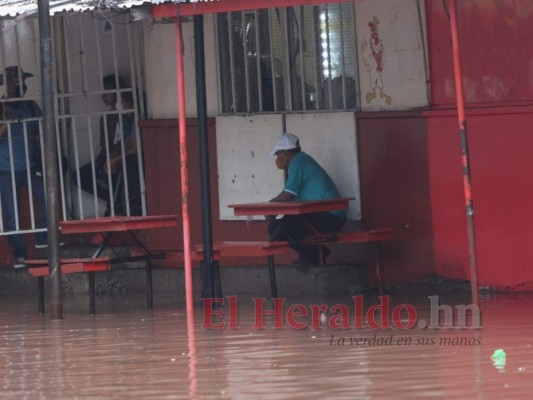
{"points": [[290, 207]]}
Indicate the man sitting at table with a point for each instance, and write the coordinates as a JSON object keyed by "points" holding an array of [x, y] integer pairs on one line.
{"points": [[306, 181]]}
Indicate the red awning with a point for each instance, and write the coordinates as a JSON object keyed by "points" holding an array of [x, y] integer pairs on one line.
{"points": [[210, 7]]}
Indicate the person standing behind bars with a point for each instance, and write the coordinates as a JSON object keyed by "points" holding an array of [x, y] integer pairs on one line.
{"points": [[18, 138]]}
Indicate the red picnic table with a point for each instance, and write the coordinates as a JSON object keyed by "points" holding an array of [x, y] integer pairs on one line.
{"points": [[315, 237], [106, 226]]}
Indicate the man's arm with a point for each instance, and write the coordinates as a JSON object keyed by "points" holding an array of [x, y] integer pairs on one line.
{"points": [[108, 125], [284, 196], [116, 158], [130, 148]]}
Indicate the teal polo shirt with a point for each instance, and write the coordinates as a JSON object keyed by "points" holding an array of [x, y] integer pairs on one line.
{"points": [[307, 180]]}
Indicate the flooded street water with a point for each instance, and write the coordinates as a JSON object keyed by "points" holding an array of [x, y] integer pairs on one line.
{"points": [[125, 351]]}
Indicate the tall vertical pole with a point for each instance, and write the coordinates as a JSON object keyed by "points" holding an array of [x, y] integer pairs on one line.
{"points": [[50, 157], [183, 167], [193, 358], [464, 149], [201, 105]]}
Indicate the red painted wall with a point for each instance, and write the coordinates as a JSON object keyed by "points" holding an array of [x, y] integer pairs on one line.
{"points": [[498, 84], [411, 178], [395, 190], [502, 172], [450, 240], [495, 50]]}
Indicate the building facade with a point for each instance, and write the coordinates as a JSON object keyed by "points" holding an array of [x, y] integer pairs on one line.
{"points": [[368, 86]]}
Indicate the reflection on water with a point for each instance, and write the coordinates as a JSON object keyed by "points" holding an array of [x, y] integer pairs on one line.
{"points": [[127, 352]]}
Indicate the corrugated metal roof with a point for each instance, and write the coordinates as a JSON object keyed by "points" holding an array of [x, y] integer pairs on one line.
{"points": [[12, 8]]}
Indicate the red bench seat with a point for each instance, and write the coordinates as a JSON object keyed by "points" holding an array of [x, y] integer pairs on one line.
{"points": [[247, 249], [362, 236], [40, 269], [70, 266]]}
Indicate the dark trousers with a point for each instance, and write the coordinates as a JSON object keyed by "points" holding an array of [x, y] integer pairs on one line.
{"points": [[292, 228], [134, 187], [86, 181], [117, 183]]}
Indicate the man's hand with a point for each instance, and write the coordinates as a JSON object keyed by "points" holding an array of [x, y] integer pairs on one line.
{"points": [[107, 169], [111, 166]]}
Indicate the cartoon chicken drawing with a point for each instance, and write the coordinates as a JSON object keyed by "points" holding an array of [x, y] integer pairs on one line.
{"points": [[374, 60]]}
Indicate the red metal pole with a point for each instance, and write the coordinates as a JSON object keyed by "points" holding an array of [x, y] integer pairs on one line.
{"points": [[464, 148], [183, 168], [193, 359], [182, 121]]}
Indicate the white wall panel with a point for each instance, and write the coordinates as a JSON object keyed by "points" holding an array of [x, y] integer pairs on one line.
{"points": [[246, 173], [391, 54]]}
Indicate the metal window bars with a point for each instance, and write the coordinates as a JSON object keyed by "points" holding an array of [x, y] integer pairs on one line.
{"points": [[287, 59]]}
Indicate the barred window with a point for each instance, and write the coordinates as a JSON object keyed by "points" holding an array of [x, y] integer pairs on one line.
{"points": [[287, 59]]}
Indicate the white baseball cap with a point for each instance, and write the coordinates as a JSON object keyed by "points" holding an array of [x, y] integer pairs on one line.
{"points": [[285, 141]]}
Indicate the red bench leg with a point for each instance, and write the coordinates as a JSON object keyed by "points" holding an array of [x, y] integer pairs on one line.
{"points": [[272, 271]]}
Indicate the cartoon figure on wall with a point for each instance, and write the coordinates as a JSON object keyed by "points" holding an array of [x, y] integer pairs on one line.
{"points": [[374, 60]]}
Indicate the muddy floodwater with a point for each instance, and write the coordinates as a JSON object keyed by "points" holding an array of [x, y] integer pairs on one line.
{"points": [[126, 351]]}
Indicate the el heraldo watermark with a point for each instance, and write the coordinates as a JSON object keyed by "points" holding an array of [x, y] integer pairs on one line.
{"points": [[221, 313]]}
